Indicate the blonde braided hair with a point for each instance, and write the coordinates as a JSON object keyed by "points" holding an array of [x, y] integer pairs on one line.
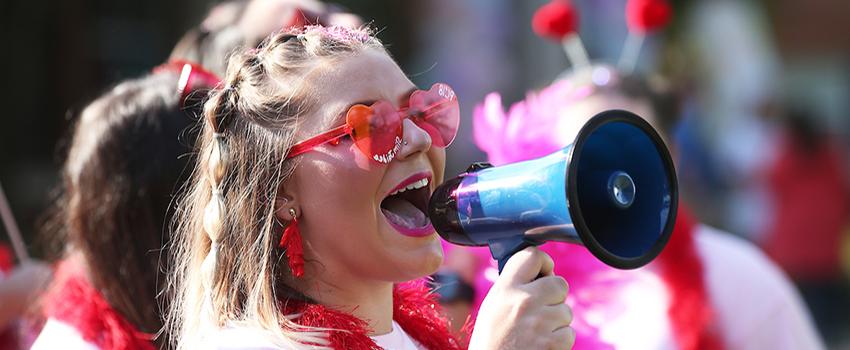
{"points": [[228, 269]]}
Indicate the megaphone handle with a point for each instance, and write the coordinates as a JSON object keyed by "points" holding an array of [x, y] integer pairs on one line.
{"points": [[503, 250], [503, 261]]}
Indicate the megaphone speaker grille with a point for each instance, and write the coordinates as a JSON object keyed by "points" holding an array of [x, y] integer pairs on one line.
{"points": [[624, 211]]}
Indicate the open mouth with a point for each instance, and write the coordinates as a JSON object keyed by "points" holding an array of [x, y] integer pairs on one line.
{"points": [[406, 206]]}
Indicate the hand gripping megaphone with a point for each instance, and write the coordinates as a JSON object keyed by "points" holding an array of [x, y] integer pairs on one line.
{"points": [[613, 190]]}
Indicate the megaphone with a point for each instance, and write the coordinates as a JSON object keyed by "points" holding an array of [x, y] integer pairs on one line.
{"points": [[613, 190]]}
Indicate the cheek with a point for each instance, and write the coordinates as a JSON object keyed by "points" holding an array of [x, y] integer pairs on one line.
{"points": [[343, 226], [336, 189]]}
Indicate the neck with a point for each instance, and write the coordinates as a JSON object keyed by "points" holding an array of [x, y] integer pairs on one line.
{"points": [[371, 301]]}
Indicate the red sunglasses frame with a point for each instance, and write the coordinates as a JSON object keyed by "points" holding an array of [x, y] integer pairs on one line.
{"points": [[192, 77], [335, 135]]}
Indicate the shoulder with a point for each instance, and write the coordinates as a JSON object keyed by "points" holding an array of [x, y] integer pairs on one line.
{"points": [[733, 261], [746, 288], [711, 242], [59, 335]]}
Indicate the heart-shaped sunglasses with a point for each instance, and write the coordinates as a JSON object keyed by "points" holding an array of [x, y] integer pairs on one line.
{"points": [[377, 129]]}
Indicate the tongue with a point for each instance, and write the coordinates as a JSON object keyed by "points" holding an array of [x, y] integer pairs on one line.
{"points": [[404, 213]]}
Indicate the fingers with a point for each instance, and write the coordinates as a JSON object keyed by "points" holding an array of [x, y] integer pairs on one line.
{"points": [[563, 338], [549, 290], [524, 266], [558, 316], [523, 308], [547, 268], [557, 333]]}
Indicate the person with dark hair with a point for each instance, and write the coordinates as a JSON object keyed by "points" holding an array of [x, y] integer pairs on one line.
{"points": [[127, 156], [126, 160]]}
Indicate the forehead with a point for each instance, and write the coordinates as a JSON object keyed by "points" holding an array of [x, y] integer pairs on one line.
{"points": [[366, 76]]}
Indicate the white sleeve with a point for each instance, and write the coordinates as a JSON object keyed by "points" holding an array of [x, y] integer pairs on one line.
{"points": [[756, 305], [58, 335]]}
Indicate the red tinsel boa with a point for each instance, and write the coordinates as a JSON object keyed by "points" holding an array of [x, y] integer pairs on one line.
{"points": [[690, 312], [74, 301], [415, 309]]}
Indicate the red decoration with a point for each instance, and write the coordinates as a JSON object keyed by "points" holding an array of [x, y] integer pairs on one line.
{"points": [[415, 309], [555, 20], [645, 16], [74, 301], [7, 262], [690, 312], [192, 77], [291, 241]]}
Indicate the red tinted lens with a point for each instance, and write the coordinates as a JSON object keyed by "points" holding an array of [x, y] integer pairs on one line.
{"points": [[376, 130], [438, 113]]}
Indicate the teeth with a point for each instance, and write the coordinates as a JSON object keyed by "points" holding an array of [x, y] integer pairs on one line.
{"points": [[413, 186]]}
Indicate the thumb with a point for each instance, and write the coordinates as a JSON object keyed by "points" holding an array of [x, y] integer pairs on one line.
{"points": [[525, 266]]}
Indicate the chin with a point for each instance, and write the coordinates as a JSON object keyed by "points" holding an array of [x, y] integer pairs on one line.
{"points": [[422, 262], [434, 260]]}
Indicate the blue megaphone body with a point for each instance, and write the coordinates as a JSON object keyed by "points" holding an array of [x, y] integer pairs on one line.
{"points": [[612, 190]]}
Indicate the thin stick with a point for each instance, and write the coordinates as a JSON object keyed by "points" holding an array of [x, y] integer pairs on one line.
{"points": [[12, 228], [576, 52], [631, 53]]}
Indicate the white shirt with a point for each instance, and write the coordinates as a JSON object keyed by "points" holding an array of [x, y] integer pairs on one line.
{"points": [[241, 338], [756, 305], [397, 339], [59, 335]]}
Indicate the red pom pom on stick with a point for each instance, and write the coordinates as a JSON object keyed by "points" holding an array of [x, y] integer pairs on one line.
{"points": [[555, 20], [645, 16], [558, 20], [642, 17]]}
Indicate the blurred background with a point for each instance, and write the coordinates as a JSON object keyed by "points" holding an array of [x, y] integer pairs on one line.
{"points": [[762, 139]]}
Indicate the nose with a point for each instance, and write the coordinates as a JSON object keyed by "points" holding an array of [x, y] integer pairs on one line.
{"points": [[414, 140]]}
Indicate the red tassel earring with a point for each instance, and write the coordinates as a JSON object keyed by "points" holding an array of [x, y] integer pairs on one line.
{"points": [[291, 242]]}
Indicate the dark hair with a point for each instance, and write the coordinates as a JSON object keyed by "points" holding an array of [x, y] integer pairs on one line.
{"points": [[126, 161], [212, 42], [804, 131]]}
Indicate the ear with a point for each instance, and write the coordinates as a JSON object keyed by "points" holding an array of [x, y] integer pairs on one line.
{"points": [[282, 205]]}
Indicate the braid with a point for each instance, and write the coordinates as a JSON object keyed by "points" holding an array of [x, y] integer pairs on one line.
{"points": [[245, 70], [214, 212], [228, 261], [219, 116]]}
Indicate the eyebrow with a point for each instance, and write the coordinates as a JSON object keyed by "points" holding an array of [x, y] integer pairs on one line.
{"points": [[401, 99]]}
